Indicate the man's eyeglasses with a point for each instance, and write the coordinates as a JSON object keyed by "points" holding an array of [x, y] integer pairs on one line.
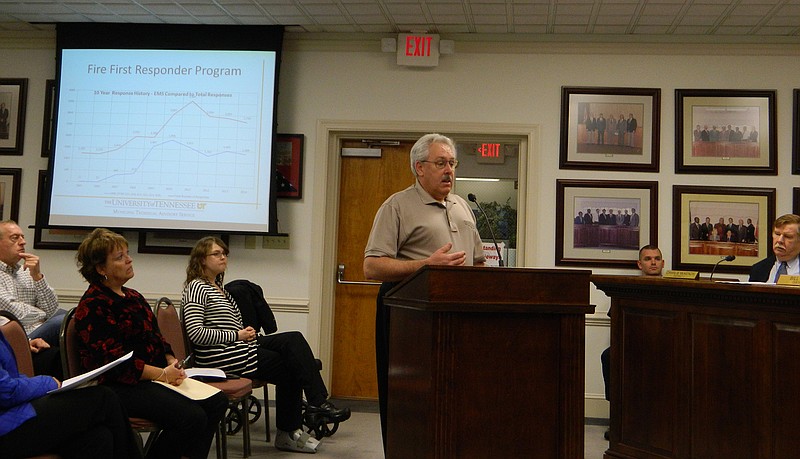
{"points": [[218, 255], [440, 163]]}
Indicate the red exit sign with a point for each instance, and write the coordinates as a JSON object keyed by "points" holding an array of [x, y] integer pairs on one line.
{"points": [[420, 50], [489, 153]]}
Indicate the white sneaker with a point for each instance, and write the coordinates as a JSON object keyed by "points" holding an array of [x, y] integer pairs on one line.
{"points": [[297, 441]]}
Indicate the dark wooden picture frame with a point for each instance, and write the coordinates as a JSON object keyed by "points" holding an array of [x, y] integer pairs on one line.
{"points": [[53, 238], [796, 131], [48, 131], [695, 252], [171, 242], [748, 147], [289, 165], [13, 99], [603, 242], [10, 185], [796, 201], [615, 146]]}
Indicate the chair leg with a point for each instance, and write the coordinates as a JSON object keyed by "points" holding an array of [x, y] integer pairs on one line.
{"points": [[222, 440], [245, 428], [217, 435], [151, 438], [266, 414]]}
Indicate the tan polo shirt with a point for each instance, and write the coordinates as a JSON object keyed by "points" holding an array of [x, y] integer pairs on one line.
{"points": [[411, 225]]}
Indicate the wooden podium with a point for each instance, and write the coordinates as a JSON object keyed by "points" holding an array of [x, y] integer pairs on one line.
{"points": [[487, 362], [702, 369]]}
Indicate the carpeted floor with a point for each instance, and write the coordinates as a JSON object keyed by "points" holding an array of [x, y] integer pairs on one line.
{"points": [[360, 438]]}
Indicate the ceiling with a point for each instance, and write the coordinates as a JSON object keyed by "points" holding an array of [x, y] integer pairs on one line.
{"points": [[713, 20]]}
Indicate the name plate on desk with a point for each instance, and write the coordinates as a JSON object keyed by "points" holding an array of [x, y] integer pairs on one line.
{"points": [[786, 279], [672, 274]]}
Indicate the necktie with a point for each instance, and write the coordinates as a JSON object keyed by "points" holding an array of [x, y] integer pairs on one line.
{"points": [[781, 271]]}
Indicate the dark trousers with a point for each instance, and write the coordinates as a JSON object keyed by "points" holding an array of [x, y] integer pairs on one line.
{"points": [[83, 423], [382, 354], [286, 360], [188, 426], [48, 362]]}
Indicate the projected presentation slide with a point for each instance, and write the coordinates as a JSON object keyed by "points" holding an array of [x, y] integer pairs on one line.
{"points": [[180, 137]]}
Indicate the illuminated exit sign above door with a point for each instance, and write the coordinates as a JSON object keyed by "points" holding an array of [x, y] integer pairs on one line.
{"points": [[418, 49]]}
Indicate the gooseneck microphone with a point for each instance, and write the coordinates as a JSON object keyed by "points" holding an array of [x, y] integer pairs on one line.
{"points": [[472, 198], [728, 258]]}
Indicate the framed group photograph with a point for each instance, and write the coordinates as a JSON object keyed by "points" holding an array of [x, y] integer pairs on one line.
{"points": [[48, 125], [722, 131], [610, 128], [604, 222], [13, 97], [171, 242], [9, 193], [711, 223], [53, 238], [289, 165]]}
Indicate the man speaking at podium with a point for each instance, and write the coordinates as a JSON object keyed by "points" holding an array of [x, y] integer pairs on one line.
{"points": [[425, 224], [785, 246]]}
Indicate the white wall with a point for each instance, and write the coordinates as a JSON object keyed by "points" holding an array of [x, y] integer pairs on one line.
{"points": [[515, 83]]}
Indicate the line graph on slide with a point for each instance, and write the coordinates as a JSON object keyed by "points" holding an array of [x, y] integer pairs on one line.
{"points": [[161, 144]]}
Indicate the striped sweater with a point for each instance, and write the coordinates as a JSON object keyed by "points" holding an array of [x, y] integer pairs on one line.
{"points": [[212, 321]]}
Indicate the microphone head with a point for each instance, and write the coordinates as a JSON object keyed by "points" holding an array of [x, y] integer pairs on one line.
{"points": [[730, 258], [472, 198]]}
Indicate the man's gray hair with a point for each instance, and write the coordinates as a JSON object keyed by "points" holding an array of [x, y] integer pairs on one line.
{"points": [[421, 149]]}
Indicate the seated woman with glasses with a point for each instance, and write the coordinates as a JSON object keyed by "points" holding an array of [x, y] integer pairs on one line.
{"points": [[112, 320], [215, 328]]}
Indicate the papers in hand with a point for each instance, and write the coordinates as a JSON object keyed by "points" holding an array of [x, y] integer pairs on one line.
{"points": [[195, 390], [89, 377], [205, 374]]}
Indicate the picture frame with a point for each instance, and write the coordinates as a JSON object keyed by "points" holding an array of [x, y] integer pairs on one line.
{"points": [[701, 249], [289, 165], [13, 99], [53, 238], [48, 124], [632, 145], [10, 182], [796, 201], [171, 242], [604, 242], [746, 118], [796, 131]]}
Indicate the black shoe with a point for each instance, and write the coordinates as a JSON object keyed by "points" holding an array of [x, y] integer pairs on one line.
{"points": [[329, 412]]}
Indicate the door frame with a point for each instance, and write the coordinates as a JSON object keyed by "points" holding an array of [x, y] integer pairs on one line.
{"points": [[325, 210]]}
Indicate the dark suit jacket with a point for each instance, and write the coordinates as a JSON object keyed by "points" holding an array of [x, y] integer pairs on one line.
{"points": [[759, 272], [254, 308]]}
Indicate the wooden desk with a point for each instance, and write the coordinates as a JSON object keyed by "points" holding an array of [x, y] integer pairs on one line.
{"points": [[702, 369], [487, 363]]}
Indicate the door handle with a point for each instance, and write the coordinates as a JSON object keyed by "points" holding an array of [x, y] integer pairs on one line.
{"points": [[340, 278]]}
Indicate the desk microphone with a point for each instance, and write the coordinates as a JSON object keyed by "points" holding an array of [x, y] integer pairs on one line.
{"points": [[728, 258], [472, 198]]}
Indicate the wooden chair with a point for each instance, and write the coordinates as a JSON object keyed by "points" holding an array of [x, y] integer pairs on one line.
{"points": [[237, 390], [15, 334], [70, 361], [18, 339]]}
